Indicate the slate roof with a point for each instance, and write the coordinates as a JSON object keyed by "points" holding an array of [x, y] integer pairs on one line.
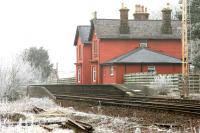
{"points": [[144, 55], [148, 29], [83, 32]]}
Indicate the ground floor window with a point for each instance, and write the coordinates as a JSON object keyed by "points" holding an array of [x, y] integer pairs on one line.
{"points": [[79, 74], [151, 69], [94, 74]]}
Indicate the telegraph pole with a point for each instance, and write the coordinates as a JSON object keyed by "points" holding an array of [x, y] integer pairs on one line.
{"points": [[185, 64]]}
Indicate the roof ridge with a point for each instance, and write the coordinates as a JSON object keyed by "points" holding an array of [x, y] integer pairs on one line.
{"points": [[133, 19], [130, 52], [84, 26], [147, 29]]}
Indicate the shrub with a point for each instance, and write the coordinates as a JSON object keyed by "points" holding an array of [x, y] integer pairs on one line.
{"points": [[161, 85]]}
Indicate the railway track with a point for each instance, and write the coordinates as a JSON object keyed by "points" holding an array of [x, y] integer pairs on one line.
{"points": [[109, 95], [175, 105], [141, 98]]}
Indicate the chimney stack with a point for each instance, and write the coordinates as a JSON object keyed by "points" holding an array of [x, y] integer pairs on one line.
{"points": [[124, 27], [166, 20], [140, 13]]}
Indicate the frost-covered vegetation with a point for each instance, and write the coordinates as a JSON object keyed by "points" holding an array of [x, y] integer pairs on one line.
{"points": [[194, 34], [39, 59], [15, 75], [161, 85], [30, 67], [194, 96], [24, 107]]}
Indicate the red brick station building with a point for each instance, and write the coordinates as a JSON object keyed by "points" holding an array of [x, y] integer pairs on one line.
{"points": [[109, 48]]}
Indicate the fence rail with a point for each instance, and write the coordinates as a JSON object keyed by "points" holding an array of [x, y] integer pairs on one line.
{"points": [[147, 78], [69, 81]]}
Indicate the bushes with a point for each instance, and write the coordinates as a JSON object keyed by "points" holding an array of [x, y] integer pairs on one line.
{"points": [[161, 85]]}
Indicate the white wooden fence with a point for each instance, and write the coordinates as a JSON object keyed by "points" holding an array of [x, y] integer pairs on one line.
{"points": [[69, 81], [147, 78]]}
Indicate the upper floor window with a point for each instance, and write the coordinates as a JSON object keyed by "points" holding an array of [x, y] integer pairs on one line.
{"points": [[80, 54], [143, 43], [111, 70], [95, 49]]}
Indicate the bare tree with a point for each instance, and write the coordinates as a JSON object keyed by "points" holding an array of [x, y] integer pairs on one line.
{"points": [[15, 75]]}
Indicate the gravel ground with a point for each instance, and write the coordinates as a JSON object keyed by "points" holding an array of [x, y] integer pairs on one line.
{"points": [[145, 118], [103, 119]]}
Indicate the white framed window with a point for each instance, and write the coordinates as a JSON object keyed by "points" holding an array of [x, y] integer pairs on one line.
{"points": [[143, 43], [79, 74], [94, 73], [151, 69], [111, 70]]}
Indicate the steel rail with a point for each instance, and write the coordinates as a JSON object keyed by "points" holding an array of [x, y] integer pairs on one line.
{"points": [[137, 102]]}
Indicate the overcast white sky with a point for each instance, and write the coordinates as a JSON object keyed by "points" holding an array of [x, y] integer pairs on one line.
{"points": [[52, 24]]}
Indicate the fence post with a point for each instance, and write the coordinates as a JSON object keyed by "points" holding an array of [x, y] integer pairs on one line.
{"points": [[199, 82]]}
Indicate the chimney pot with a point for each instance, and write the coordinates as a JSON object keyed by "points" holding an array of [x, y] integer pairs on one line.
{"points": [[94, 15], [141, 13], [142, 9], [136, 8], [168, 5], [145, 10], [122, 6]]}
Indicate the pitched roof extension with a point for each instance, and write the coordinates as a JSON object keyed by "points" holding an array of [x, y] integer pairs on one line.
{"points": [[148, 29], [144, 55], [83, 32]]}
